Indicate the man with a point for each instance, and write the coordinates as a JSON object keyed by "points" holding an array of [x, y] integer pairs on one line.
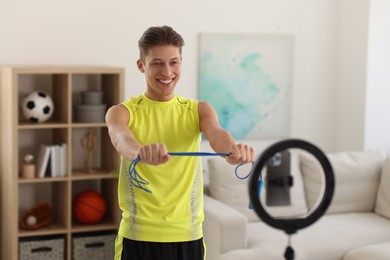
{"points": [[165, 223]]}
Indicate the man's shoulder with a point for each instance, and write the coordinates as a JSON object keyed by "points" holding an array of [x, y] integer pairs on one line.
{"points": [[190, 104]]}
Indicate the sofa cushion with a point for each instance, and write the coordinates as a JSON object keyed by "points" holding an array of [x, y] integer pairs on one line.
{"points": [[382, 206], [356, 180], [227, 188], [331, 237], [377, 252]]}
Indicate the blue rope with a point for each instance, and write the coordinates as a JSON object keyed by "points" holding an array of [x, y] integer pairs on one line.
{"points": [[138, 181]]}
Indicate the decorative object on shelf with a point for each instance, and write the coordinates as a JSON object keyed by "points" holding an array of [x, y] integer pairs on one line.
{"points": [[37, 107], [91, 108], [88, 142], [89, 207], [28, 168], [36, 217]]}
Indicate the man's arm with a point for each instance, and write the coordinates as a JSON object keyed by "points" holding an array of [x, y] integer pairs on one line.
{"points": [[221, 140], [117, 119]]}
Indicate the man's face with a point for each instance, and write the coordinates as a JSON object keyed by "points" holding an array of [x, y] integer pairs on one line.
{"points": [[162, 68]]}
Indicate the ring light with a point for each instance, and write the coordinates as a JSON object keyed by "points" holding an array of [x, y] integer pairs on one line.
{"points": [[291, 225]]}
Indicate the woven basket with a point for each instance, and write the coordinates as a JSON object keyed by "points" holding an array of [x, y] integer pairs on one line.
{"points": [[42, 212]]}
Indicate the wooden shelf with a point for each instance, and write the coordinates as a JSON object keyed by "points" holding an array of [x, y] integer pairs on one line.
{"points": [[103, 226], [49, 125], [52, 229], [97, 174], [41, 180], [19, 136], [88, 125]]}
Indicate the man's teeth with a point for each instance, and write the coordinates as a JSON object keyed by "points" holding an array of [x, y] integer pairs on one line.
{"points": [[166, 81]]}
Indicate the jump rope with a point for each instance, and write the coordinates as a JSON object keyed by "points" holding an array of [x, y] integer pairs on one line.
{"points": [[139, 182]]}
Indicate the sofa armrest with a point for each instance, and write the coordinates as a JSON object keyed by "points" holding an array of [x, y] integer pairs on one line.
{"points": [[224, 228]]}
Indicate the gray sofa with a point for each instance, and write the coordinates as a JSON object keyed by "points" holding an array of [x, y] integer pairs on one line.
{"points": [[356, 226]]}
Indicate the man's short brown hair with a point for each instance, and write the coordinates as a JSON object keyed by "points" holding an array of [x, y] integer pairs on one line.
{"points": [[159, 36]]}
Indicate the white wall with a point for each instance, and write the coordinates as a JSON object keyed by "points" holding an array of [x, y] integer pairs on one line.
{"points": [[352, 66], [97, 32], [363, 75], [377, 124]]}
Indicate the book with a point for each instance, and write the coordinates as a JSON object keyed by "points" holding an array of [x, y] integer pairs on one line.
{"points": [[55, 160], [63, 159], [52, 158], [57, 149], [43, 160]]}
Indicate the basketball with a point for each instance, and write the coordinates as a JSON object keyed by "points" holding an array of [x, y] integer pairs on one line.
{"points": [[89, 207]]}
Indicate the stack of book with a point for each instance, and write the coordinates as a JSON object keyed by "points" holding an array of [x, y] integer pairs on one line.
{"points": [[52, 160]]}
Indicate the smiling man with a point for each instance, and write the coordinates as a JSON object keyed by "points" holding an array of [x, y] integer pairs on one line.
{"points": [[164, 220]]}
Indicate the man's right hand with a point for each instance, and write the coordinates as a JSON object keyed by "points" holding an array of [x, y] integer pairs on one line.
{"points": [[154, 154]]}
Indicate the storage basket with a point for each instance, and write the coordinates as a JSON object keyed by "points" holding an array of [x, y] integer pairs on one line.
{"points": [[96, 247], [48, 249]]}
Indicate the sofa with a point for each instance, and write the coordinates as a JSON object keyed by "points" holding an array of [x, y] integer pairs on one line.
{"points": [[356, 225]]}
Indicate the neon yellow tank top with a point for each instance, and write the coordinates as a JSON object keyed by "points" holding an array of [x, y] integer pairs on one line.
{"points": [[174, 210]]}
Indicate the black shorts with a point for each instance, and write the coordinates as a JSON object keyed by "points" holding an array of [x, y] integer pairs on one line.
{"points": [[139, 250]]}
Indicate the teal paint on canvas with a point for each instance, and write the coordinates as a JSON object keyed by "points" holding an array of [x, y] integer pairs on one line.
{"points": [[233, 79]]}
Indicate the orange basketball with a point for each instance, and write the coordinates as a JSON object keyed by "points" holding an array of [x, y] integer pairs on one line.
{"points": [[89, 207]]}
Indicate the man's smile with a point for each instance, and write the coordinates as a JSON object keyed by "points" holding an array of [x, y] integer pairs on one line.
{"points": [[166, 82]]}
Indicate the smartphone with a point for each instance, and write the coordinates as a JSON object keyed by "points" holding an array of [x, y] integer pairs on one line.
{"points": [[278, 179]]}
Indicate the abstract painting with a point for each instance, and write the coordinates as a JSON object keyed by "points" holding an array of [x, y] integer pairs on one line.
{"points": [[247, 78]]}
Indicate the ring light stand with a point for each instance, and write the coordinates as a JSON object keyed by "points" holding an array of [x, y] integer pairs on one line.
{"points": [[291, 225]]}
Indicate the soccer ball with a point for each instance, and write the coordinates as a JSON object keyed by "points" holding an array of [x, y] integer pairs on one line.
{"points": [[37, 107]]}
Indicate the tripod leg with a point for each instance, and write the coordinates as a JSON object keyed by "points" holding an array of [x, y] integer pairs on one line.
{"points": [[289, 253]]}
